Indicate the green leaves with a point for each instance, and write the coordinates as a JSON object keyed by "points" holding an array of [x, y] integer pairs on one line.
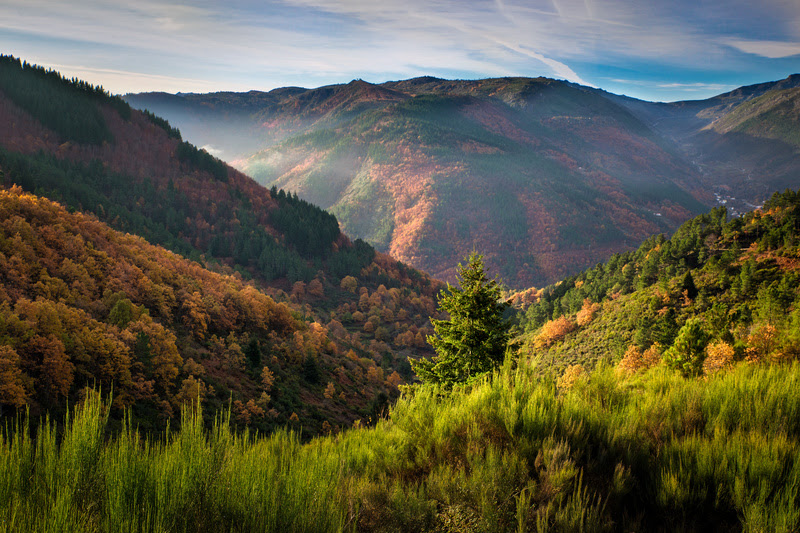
{"points": [[473, 340], [688, 351]]}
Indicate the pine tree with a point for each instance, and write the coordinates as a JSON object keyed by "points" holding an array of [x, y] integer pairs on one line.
{"points": [[473, 340], [688, 351], [253, 353]]}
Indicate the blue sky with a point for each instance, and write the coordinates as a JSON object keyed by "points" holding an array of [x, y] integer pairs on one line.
{"points": [[651, 49]]}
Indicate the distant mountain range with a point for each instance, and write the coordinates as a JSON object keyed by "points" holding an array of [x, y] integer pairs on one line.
{"points": [[544, 177]]}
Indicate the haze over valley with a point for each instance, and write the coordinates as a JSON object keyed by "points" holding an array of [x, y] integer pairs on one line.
{"points": [[546, 177]]}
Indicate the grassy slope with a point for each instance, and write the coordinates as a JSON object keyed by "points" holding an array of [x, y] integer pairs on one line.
{"points": [[651, 452]]}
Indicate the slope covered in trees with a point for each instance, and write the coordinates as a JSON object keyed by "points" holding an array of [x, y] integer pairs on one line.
{"points": [[718, 291], [145, 180], [427, 169], [82, 305]]}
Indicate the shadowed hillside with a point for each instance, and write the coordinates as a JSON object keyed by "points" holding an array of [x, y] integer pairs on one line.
{"points": [[743, 143]]}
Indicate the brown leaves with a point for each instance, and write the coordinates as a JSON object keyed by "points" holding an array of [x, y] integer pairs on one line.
{"points": [[12, 391], [587, 312], [55, 371], [719, 356], [553, 331], [635, 360]]}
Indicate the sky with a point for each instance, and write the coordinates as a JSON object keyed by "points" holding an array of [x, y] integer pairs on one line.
{"points": [[659, 50]]}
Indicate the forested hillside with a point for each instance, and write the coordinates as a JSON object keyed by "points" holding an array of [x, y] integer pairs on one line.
{"points": [[545, 178], [657, 391], [139, 177], [82, 305], [718, 291]]}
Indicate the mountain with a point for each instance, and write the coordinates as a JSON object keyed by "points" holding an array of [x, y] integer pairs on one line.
{"points": [[73, 143], [743, 143], [541, 176], [734, 283], [692, 425]]}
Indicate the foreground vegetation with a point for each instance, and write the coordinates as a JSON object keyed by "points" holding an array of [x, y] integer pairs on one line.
{"points": [[611, 451]]}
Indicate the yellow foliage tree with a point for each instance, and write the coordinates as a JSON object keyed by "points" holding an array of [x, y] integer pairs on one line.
{"points": [[572, 375], [553, 331], [267, 378], [587, 312], [719, 356]]}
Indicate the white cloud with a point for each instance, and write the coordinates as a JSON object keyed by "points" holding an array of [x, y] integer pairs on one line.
{"points": [[696, 86], [259, 44], [769, 49]]}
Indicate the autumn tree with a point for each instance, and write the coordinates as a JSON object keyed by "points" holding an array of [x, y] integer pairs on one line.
{"points": [[12, 391], [267, 378], [56, 372], [474, 339]]}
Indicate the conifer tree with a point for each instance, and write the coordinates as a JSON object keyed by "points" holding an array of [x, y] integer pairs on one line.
{"points": [[688, 351], [473, 340]]}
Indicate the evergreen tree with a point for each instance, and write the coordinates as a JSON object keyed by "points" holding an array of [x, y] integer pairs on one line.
{"points": [[253, 353], [688, 285], [688, 352], [473, 340], [310, 369]]}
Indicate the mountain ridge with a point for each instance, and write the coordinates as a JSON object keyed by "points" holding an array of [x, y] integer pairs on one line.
{"points": [[417, 153]]}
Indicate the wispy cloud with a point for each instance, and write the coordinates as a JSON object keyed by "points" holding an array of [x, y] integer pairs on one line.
{"points": [[770, 49], [236, 44], [715, 87]]}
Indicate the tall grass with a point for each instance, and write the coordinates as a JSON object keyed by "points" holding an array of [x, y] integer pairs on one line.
{"points": [[652, 452]]}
